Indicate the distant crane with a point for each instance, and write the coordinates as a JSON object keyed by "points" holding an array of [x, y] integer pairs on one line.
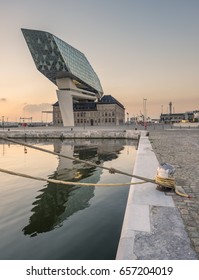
{"points": [[45, 113]]}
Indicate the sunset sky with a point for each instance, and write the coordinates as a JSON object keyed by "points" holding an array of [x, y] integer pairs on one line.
{"points": [[140, 49]]}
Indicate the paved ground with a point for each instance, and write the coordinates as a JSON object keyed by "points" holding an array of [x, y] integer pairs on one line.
{"points": [[180, 148], [152, 227]]}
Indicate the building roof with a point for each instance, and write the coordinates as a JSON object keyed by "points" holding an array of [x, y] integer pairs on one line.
{"points": [[109, 99], [56, 104], [56, 59], [84, 106]]}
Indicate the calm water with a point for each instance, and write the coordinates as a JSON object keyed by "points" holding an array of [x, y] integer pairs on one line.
{"points": [[41, 220]]}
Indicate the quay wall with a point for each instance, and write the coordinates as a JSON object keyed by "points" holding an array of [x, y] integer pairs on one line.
{"points": [[70, 134], [186, 125]]}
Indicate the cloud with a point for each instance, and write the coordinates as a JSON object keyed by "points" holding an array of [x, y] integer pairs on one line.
{"points": [[35, 108], [3, 99]]}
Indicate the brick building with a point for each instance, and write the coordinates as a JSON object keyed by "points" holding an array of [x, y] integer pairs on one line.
{"points": [[106, 112]]}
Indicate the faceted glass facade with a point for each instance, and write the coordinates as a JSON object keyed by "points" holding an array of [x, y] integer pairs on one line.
{"points": [[56, 59]]}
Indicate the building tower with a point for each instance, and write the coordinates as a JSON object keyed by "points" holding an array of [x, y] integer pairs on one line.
{"points": [[67, 68], [170, 108]]}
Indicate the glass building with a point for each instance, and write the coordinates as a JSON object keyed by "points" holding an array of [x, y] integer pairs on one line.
{"points": [[67, 68], [56, 59]]}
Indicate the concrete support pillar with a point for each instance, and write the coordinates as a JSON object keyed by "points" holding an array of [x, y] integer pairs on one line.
{"points": [[66, 93], [65, 100]]}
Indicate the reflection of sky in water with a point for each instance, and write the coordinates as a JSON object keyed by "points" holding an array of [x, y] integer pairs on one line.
{"points": [[33, 208]]}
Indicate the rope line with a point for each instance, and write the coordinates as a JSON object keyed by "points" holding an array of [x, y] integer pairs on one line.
{"points": [[165, 182], [67, 182], [170, 183], [111, 170]]}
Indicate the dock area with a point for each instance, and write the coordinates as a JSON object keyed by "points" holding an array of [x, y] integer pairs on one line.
{"points": [[157, 224]]}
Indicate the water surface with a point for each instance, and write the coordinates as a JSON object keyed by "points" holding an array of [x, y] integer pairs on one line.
{"points": [[41, 220]]}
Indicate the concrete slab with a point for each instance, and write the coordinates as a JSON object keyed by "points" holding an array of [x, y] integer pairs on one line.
{"points": [[146, 165], [125, 250], [147, 194], [141, 224], [167, 240]]}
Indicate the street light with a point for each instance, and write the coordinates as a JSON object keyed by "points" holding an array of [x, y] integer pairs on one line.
{"points": [[145, 113], [3, 122], [161, 109], [127, 118]]}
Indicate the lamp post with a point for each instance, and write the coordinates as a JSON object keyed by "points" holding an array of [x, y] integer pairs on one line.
{"points": [[161, 109], [161, 114], [145, 113], [127, 119], [3, 122]]}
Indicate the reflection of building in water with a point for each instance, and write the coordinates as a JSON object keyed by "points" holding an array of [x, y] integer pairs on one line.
{"points": [[54, 205], [57, 202], [93, 150]]}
